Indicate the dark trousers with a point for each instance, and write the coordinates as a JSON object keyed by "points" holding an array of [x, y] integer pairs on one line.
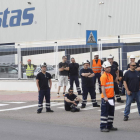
{"points": [[42, 94], [76, 80], [121, 88], [97, 76], [116, 89], [107, 114], [92, 92], [69, 106]]}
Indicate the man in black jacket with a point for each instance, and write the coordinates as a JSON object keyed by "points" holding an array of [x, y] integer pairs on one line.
{"points": [[73, 72]]}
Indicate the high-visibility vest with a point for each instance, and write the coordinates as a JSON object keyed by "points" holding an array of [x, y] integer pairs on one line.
{"points": [[107, 81], [30, 70], [96, 67]]}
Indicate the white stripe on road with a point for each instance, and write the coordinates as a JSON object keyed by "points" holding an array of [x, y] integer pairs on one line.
{"points": [[123, 106], [29, 106], [89, 108], [3, 104], [15, 102]]}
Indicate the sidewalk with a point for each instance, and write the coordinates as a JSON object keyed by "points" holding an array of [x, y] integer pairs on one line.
{"points": [[33, 96]]}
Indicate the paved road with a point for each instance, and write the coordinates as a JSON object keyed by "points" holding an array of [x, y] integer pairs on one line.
{"points": [[19, 120]]}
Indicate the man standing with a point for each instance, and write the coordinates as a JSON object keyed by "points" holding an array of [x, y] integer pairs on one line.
{"points": [[107, 110], [88, 85], [44, 84], [74, 72], [29, 69], [114, 72], [96, 67], [63, 75], [132, 59], [71, 101], [131, 84]]}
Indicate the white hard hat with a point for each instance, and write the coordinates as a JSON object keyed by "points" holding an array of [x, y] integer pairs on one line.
{"points": [[124, 72], [86, 62], [96, 54], [106, 64], [132, 56], [43, 64], [110, 56]]}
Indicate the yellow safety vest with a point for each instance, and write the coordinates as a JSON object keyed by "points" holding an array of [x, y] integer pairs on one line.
{"points": [[30, 70]]}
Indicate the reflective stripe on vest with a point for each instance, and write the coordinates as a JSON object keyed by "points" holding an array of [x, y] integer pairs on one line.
{"points": [[96, 67], [30, 70]]}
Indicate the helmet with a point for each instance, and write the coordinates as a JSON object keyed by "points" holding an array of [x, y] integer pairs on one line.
{"points": [[106, 64], [28, 60], [132, 56], [96, 54], [124, 72], [43, 64], [110, 56], [86, 62]]}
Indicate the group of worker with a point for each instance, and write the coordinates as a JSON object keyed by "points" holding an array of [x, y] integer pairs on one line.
{"points": [[106, 73]]}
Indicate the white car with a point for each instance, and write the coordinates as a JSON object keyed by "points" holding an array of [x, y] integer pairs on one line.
{"points": [[50, 70]]}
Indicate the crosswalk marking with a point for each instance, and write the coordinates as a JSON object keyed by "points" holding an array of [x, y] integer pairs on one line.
{"points": [[15, 102], [123, 106], [3, 104]]}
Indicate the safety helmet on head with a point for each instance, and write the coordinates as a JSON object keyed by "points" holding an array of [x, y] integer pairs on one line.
{"points": [[106, 64], [96, 54], [86, 62], [43, 64], [132, 56], [124, 72], [110, 56], [29, 60]]}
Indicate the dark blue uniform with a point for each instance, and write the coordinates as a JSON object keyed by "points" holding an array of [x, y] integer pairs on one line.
{"points": [[69, 106], [116, 88], [73, 72], [44, 90], [88, 86]]}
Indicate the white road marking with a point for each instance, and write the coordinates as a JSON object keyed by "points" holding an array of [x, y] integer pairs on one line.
{"points": [[3, 104], [123, 106], [29, 106], [89, 108], [15, 102]]}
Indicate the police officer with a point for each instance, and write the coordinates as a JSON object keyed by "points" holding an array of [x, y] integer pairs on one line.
{"points": [[131, 84], [74, 72], [87, 74], [107, 110], [96, 67], [71, 101], [29, 69], [114, 73], [44, 84]]}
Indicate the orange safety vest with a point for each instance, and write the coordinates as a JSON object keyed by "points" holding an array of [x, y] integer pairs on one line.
{"points": [[96, 67], [107, 81]]}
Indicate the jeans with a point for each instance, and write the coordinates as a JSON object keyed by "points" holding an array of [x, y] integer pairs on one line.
{"points": [[129, 99]]}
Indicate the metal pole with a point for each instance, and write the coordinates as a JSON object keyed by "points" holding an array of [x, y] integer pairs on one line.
{"points": [[101, 50], [56, 61], [19, 61], [91, 56], [119, 52]]}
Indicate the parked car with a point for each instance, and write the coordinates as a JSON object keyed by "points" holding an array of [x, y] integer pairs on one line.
{"points": [[7, 71], [50, 70]]}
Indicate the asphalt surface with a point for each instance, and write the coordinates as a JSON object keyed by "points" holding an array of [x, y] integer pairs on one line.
{"points": [[19, 120]]}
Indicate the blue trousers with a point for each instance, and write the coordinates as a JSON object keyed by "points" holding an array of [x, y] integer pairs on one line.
{"points": [[42, 94], [107, 114], [97, 76], [129, 99], [76, 80], [92, 92]]}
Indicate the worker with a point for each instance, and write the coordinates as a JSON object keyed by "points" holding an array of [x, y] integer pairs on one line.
{"points": [[29, 69], [131, 84], [87, 74], [63, 75], [107, 109], [44, 84], [74, 75], [71, 101], [96, 67], [114, 72]]}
